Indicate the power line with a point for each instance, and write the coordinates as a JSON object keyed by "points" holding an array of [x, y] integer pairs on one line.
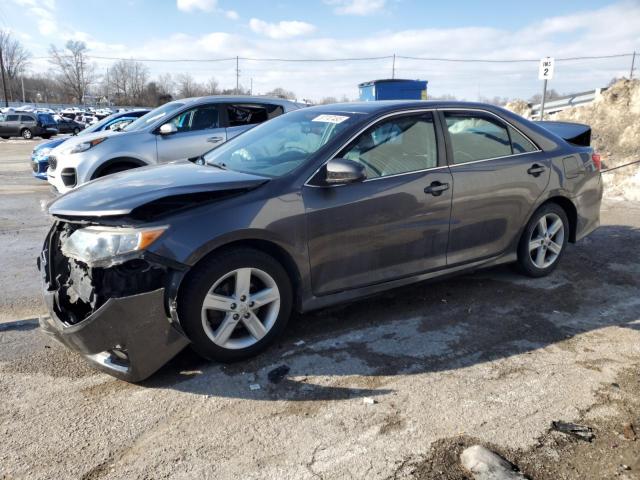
{"points": [[353, 59]]}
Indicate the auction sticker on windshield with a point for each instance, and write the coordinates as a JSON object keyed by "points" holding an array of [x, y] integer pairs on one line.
{"points": [[330, 118]]}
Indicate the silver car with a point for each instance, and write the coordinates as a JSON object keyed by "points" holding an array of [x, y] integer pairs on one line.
{"points": [[179, 130]]}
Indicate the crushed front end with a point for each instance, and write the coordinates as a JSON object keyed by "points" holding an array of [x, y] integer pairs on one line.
{"points": [[114, 314]]}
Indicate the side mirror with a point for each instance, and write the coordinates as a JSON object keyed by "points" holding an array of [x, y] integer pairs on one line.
{"points": [[341, 171], [168, 129]]}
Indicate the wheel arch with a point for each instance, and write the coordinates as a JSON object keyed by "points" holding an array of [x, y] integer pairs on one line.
{"points": [[569, 208], [269, 247], [134, 162]]}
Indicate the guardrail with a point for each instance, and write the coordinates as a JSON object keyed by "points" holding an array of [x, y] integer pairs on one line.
{"points": [[562, 103]]}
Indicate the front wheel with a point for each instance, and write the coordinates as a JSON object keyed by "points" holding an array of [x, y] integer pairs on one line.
{"points": [[543, 241], [235, 304]]}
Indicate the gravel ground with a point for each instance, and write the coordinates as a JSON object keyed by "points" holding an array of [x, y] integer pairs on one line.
{"points": [[391, 387]]}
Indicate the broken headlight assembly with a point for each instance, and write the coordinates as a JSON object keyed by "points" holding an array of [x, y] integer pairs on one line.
{"points": [[108, 246]]}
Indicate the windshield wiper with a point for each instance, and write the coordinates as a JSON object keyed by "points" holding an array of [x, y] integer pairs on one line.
{"points": [[221, 166]]}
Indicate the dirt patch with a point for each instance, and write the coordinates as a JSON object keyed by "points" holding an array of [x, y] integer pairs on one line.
{"points": [[613, 454]]}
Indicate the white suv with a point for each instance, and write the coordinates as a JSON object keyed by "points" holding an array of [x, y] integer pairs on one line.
{"points": [[180, 130]]}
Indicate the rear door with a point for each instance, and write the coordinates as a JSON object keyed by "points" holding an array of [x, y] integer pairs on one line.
{"points": [[199, 130], [11, 125], [392, 225], [498, 174], [243, 116]]}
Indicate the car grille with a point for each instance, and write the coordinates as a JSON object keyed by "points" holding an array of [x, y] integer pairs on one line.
{"points": [[53, 163]]}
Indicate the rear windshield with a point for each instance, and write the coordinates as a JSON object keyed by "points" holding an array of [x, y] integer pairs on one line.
{"points": [[46, 118]]}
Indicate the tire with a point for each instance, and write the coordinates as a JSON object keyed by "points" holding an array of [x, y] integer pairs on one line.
{"points": [[26, 134], [219, 274], [46, 137], [76, 131], [543, 242], [6, 138]]}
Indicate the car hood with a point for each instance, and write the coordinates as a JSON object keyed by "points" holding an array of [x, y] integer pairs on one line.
{"points": [[121, 193], [50, 143], [86, 137]]}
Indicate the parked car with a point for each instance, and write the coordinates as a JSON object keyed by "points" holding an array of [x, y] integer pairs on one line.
{"points": [[319, 206], [115, 122], [66, 125], [180, 130], [27, 125]]}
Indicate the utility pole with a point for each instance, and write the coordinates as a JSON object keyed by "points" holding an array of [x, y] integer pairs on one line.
{"points": [[4, 79], [237, 75], [544, 94], [251, 87], [633, 62], [22, 81], [393, 67]]}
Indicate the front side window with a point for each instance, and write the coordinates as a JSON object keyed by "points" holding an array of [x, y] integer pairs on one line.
{"points": [[199, 118], [476, 136], [276, 147], [12, 118], [398, 145], [26, 118]]}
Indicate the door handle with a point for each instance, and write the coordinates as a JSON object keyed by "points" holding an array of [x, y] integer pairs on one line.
{"points": [[214, 139], [436, 188], [536, 170]]}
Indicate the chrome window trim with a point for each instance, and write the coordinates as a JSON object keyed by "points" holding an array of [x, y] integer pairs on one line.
{"points": [[360, 132], [472, 109]]}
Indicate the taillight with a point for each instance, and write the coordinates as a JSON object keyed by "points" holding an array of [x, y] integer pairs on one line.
{"points": [[597, 161]]}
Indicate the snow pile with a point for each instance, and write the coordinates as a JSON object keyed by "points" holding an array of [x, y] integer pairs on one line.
{"points": [[615, 122]]}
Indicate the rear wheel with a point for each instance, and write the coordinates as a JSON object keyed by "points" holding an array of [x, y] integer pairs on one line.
{"points": [[235, 304], [5, 138], [27, 134], [46, 137], [543, 241], [76, 131]]}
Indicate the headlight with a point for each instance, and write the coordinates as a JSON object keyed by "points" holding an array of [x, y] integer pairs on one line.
{"points": [[43, 152], [84, 146], [104, 246]]}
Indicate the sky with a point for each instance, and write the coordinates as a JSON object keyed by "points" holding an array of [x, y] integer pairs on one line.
{"points": [[330, 29]]}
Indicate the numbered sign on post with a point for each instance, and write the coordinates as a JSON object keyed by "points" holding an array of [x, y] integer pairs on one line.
{"points": [[545, 70]]}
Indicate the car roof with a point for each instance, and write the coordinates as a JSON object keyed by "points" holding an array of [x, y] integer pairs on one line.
{"points": [[237, 99], [381, 106]]}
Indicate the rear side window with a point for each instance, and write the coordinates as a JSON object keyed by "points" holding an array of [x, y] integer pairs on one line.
{"points": [[476, 136], [520, 143], [397, 145], [251, 114], [27, 118]]}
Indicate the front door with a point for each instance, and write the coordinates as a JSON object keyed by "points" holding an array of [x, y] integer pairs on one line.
{"points": [[392, 225], [199, 130], [498, 174]]}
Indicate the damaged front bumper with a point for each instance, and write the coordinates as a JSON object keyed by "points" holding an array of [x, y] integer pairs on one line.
{"points": [[114, 317], [129, 338]]}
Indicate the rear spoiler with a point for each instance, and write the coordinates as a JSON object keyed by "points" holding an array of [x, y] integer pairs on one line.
{"points": [[575, 133]]}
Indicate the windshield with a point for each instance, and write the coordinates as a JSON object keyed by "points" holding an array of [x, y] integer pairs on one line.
{"points": [[153, 116], [276, 147]]}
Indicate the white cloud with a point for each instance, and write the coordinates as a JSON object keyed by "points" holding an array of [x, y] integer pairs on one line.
{"points": [[44, 14], [232, 15], [281, 30], [193, 5], [356, 7]]}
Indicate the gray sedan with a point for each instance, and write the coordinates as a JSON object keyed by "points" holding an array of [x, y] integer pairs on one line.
{"points": [[319, 206]]}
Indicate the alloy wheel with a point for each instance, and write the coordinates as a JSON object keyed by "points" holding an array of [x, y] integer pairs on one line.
{"points": [[240, 308], [547, 240]]}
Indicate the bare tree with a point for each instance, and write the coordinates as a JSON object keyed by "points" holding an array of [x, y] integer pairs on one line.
{"points": [[188, 87], [212, 87], [75, 73], [328, 100], [126, 81], [15, 58], [166, 85], [280, 92]]}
